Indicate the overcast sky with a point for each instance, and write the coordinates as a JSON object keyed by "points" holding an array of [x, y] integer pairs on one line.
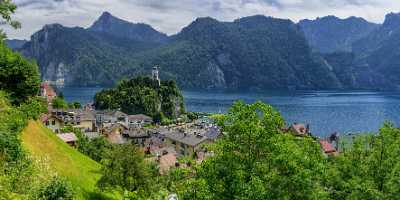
{"points": [[169, 16]]}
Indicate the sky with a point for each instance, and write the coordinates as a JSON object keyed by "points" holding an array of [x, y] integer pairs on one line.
{"points": [[170, 16]]}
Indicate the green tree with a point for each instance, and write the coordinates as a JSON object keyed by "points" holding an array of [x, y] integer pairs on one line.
{"points": [[369, 169], [125, 169], [59, 103], [75, 105], [18, 77], [7, 8], [56, 189], [256, 160]]}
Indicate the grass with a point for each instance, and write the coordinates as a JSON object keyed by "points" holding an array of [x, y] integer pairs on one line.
{"points": [[79, 169]]}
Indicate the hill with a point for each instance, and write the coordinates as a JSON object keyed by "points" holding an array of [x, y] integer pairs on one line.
{"points": [[330, 34], [79, 169]]}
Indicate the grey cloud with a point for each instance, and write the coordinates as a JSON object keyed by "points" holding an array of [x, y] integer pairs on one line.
{"points": [[171, 15]]}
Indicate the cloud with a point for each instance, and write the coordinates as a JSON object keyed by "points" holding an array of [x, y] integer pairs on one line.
{"points": [[170, 16]]}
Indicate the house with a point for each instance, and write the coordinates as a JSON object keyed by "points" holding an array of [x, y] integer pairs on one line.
{"points": [[52, 122], [300, 129], [185, 144], [111, 116], [212, 133], [77, 118], [327, 148], [113, 133], [139, 120], [69, 138], [47, 92], [138, 136]]}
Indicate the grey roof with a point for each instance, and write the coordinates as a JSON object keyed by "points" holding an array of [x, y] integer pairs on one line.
{"points": [[115, 113], [189, 139], [136, 133], [140, 117], [212, 133]]}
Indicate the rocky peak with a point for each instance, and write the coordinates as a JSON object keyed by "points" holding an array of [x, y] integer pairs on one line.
{"points": [[111, 25], [392, 20]]}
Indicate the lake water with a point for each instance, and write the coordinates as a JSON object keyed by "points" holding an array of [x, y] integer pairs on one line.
{"points": [[325, 111]]}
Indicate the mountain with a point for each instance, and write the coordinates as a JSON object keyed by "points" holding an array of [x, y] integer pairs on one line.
{"points": [[15, 44], [330, 34], [76, 56], [255, 52], [379, 53], [109, 24]]}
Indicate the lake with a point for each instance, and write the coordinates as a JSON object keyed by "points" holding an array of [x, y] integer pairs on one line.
{"points": [[325, 111]]}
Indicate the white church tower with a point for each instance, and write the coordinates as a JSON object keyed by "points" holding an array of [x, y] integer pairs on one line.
{"points": [[155, 75]]}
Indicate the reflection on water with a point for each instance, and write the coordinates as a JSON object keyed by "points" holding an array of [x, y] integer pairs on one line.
{"points": [[325, 111]]}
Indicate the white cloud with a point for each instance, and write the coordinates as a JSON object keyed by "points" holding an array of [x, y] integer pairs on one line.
{"points": [[171, 15]]}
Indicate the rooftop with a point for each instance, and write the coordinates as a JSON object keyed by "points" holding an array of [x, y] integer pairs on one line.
{"points": [[68, 137], [326, 146], [189, 139]]}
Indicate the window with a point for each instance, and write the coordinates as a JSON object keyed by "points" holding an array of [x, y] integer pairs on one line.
{"points": [[53, 122], [47, 123], [78, 123], [173, 142]]}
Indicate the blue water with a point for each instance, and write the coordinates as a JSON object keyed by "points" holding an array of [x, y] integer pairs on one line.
{"points": [[325, 111]]}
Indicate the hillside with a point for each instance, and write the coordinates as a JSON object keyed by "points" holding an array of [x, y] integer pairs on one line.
{"points": [[329, 34], [66, 161]]}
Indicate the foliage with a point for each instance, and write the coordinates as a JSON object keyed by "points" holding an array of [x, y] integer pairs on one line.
{"points": [[57, 189], [256, 160], [7, 8], [12, 121], [18, 77], [124, 167], [59, 103], [369, 169], [74, 105], [34, 108], [95, 148], [141, 95]]}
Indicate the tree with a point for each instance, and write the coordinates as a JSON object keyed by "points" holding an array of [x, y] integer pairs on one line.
{"points": [[56, 189], [124, 168], [255, 159], [59, 103], [369, 169], [7, 8], [74, 105], [18, 77]]}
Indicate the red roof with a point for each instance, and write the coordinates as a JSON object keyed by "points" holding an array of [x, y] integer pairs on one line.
{"points": [[327, 147], [49, 90]]}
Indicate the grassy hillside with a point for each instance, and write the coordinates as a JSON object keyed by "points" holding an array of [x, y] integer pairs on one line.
{"points": [[79, 169]]}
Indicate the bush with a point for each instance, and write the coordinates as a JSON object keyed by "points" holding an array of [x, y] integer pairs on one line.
{"points": [[34, 108], [56, 189], [18, 77]]}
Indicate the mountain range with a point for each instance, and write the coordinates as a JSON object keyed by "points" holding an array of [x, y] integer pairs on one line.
{"points": [[255, 52]]}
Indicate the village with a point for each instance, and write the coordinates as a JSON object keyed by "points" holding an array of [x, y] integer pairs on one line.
{"points": [[164, 144]]}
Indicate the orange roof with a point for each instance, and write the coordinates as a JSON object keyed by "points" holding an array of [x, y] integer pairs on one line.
{"points": [[326, 146], [49, 90]]}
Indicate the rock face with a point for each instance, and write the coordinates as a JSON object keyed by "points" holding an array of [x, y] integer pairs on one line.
{"points": [[330, 34]]}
